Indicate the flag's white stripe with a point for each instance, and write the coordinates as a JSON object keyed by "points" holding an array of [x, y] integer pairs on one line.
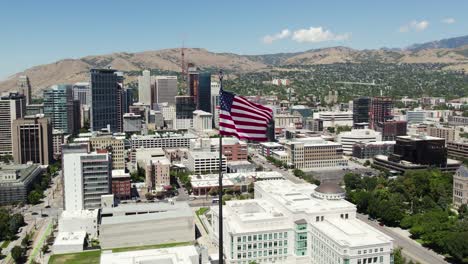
{"points": [[253, 115], [224, 112], [253, 109], [253, 105], [248, 135], [259, 129]]}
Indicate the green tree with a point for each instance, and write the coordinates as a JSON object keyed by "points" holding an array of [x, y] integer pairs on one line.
{"points": [[398, 257], [45, 248], [34, 197], [18, 254]]}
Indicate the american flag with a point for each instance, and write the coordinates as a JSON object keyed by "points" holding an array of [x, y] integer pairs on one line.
{"points": [[243, 119]]}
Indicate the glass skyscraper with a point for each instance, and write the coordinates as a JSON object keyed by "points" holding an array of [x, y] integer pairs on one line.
{"points": [[61, 109], [104, 96], [204, 92]]}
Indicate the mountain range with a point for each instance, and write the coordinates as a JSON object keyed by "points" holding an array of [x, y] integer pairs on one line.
{"points": [[451, 52]]}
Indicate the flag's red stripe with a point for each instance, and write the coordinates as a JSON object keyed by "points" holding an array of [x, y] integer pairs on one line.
{"points": [[242, 123], [233, 114], [250, 110], [224, 133], [242, 130], [242, 99]]}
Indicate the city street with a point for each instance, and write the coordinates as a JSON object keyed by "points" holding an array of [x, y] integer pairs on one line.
{"points": [[410, 248], [38, 217]]}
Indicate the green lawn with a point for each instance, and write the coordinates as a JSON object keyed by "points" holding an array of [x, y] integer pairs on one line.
{"points": [[178, 244], [202, 210], [5, 243], [89, 257]]}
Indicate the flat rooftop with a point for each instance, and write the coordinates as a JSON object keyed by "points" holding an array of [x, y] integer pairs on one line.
{"points": [[298, 197], [174, 255], [70, 238], [144, 212], [351, 232], [271, 144]]}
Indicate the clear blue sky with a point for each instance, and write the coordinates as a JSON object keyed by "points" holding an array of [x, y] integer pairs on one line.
{"points": [[37, 32]]}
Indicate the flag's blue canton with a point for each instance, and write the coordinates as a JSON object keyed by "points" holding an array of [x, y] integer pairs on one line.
{"points": [[227, 99]]}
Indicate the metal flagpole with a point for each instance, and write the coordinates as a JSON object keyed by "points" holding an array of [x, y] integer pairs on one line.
{"points": [[220, 188]]}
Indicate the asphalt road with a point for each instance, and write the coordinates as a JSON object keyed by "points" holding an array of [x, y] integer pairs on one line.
{"points": [[410, 248]]}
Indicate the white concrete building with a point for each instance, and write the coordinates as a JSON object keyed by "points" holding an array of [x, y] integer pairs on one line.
{"points": [[77, 221], [58, 139], [144, 87], [142, 224], [334, 119], [167, 140], [202, 121], [173, 255], [205, 162], [299, 223], [349, 138], [287, 120], [86, 177], [69, 242]]}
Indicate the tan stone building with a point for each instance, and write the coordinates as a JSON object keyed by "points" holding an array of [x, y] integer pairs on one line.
{"points": [[460, 187], [115, 145], [32, 140]]}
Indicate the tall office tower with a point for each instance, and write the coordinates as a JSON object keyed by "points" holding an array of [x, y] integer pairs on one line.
{"points": [[185, 105], [361, 107], [24, 87], [380, 111], [192, 80], [144, 87], [12, 107], [86, 177], [82, 93], [204, 92], [61, 109], [128, 99], [32, 140], [166, 89], [104, 105], [121, 100]]}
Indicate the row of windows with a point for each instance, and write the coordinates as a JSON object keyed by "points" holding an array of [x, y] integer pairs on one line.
{"points": [[371, 260], [370, 251], [264, 253], [254, 246], [269, 236]]}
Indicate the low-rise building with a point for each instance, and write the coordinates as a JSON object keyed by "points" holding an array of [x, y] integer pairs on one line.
{"points": [[460, 187], [369, 150], [267, 147], [308, 153], [457, 149], [287, 120], [121, 184], [240, 166], [143, 224], [78, 221], [165, 140], [233, 148], [69, 242], [457, 120], [298, 223], [173, 255], [17, 180], [402, 166], [205, 162], [349, 138], [132, 122], [334, 119], [447, 133], [202, 121]]}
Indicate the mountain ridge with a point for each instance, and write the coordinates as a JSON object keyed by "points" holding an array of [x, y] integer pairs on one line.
{"points": [[169, 60]]}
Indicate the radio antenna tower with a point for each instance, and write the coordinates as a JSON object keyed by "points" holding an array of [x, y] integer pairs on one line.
{"points": [[183, 68]]}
